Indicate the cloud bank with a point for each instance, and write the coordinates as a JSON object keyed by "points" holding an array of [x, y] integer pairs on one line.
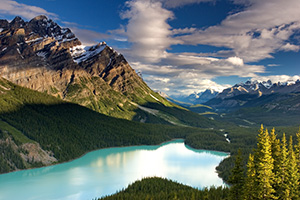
{"points": [[148, 29], [253, 34], [14, 8], [261, 29]]}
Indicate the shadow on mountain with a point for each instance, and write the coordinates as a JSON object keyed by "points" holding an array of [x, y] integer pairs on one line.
{"points": [[159, 113], [70, 130]]}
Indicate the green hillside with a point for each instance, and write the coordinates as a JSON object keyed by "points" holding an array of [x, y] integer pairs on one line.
{"points": [[61, 131]]}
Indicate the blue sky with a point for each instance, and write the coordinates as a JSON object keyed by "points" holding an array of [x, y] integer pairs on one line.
{"points": [[185, 46]]}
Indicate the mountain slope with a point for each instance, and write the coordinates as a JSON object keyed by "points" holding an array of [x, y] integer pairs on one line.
{"points": [[41, 55], [37, 129]]}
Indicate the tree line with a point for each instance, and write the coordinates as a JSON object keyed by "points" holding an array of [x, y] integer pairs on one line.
{"points": [[272, 171]]}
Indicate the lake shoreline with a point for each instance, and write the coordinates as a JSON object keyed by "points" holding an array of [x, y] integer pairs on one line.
{"points": [[110, 169], [168, 141]]}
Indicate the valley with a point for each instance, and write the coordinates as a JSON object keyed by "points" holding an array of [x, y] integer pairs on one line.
{"points": [[60, 99]]}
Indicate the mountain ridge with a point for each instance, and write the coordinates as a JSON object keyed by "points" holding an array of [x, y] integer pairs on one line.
{"points": [[250, 93], [43, 56]]}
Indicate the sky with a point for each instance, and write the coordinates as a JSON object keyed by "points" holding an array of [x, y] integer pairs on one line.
{"points": [[184, 46]]}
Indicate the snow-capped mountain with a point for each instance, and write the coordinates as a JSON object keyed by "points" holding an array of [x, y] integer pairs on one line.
{"points": [[250, 93], [260, 88], [41, 55], [197, 98]]}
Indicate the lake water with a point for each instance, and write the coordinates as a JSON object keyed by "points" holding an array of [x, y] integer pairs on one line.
{"points": [[106, 171]]}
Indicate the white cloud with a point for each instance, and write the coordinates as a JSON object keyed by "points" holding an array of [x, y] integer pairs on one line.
{"points": [[273, 65], [253, 34], [277, 78], [290, 47], [9, 7], [184, 74], [236, 61], [263, 28], [151, 36], [148, 29]]}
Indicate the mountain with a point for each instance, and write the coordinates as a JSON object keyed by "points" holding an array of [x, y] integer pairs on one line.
{"points": [[255, 103], [251, 93], [43, 56], [196, 98], [37, 129]]}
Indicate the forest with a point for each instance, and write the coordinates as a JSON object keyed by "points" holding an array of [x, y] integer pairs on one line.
{"points": [[272, 172], [69, 130]]}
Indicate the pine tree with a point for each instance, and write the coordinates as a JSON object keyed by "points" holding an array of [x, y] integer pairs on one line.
{"points": [[276, 153], [283, 190], [250, 181], [237, 178], [293, 175], [297, 150], [265, 175]]}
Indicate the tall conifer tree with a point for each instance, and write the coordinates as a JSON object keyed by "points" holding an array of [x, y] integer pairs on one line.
{"points": [[249, 189], [297, 150], [276, 152], [265, 175], [293, 175], [237, 178], [283, 191]]}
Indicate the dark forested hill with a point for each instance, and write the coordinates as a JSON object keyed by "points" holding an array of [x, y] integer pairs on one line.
{"points": [[158, 188], [38, 129]]}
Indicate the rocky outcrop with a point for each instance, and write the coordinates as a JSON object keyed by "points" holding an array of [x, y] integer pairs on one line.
{"points": [[24, 155], [43, 56], [33, 153]]}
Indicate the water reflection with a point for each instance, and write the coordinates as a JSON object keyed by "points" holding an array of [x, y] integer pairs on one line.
{"points": [[105, 171]]}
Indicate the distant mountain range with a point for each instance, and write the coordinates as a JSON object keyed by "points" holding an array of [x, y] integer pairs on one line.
{"points": [[251, 93], [43, 56], [254, 103], [196, 98], [250, 103]]}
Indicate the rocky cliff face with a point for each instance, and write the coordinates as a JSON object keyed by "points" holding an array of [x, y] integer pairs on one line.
{"points": [[43, 56]]}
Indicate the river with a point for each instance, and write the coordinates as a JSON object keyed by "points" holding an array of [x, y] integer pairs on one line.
{"points": [[107, 171]]}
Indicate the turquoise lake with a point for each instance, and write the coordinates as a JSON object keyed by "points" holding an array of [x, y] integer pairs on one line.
{"points": [[107, 171]]}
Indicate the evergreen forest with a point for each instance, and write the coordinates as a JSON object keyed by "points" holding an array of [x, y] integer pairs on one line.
{"points": [[271, 172]]}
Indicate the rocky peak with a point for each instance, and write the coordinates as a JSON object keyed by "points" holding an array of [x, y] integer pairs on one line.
{"points": [[41, 55], [17, 22], [260, 88], [4, 24], [43, 27]]}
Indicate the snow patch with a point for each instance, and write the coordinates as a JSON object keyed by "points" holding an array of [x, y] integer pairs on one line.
{"points": [[1, 29], [240, 88], [82, 53], [18, 50], [109, 62], [4, 48], [42, 54], [68, 40], [64, 30], [154, 97], [34, 40]]}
